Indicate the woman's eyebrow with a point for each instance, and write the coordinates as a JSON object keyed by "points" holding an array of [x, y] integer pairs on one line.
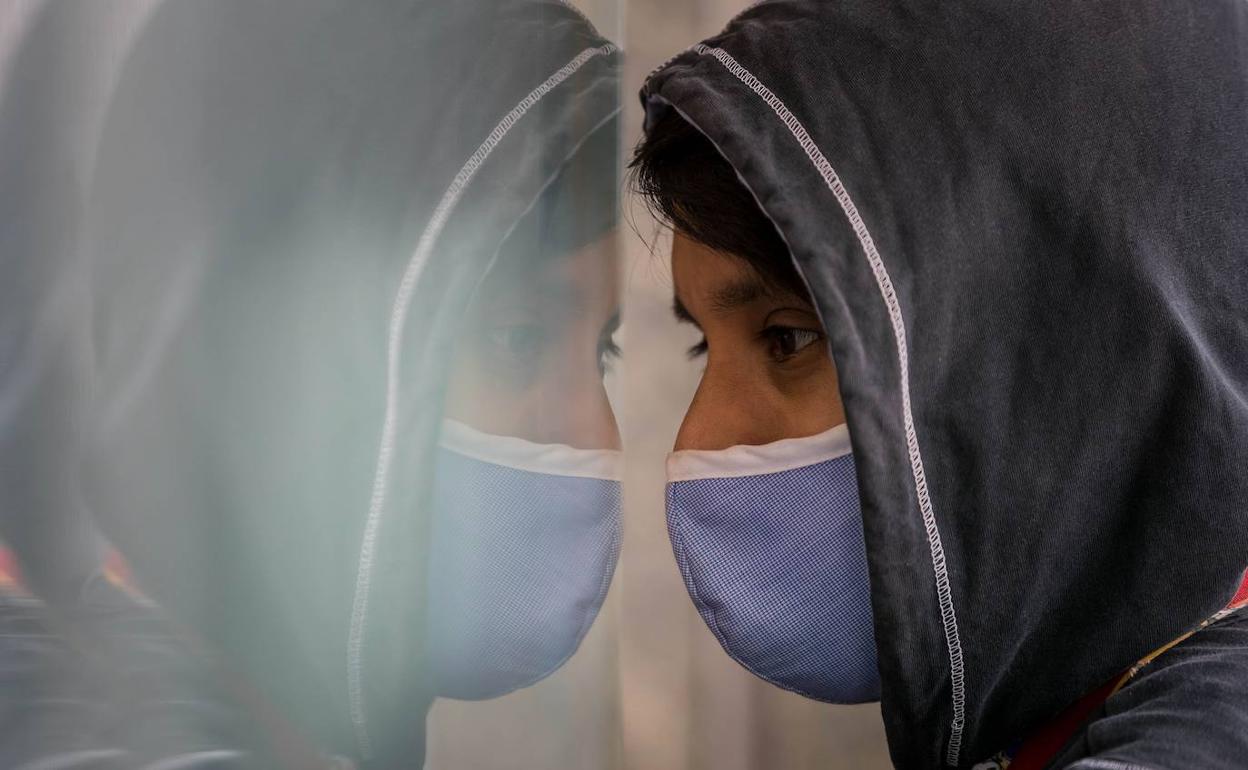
{"points": [[727, 297], [738, 292]]}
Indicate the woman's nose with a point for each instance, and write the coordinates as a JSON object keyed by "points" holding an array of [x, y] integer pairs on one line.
{"points": [[728, 410]]}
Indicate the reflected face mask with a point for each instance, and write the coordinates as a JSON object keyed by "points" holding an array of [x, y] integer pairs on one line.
{"points": [[524, 539], [769, 541]]}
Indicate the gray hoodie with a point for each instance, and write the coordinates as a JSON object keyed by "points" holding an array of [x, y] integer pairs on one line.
{"points": [[1025, 227]]}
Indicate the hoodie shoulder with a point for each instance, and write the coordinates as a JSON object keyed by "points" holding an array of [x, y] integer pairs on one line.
{"points": [[78, 690], [1185, 709]]}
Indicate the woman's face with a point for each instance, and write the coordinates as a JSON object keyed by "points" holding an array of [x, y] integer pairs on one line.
{"points": [[768, 373]]}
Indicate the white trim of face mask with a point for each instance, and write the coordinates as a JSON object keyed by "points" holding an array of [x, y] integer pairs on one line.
{"points": [[757, 460], [512, 452]]}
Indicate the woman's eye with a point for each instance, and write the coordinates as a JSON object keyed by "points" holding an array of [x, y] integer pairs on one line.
{"points": [[517, 341], [698, 350], [784, 342]]}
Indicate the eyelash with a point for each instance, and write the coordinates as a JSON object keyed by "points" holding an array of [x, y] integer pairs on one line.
{"points": [[771, 334]]}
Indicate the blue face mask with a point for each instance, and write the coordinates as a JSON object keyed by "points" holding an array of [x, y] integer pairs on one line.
{"points": [[524, 539], [769, 541]]}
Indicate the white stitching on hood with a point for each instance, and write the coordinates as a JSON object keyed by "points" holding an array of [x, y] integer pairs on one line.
{"points": [[944, 593]]}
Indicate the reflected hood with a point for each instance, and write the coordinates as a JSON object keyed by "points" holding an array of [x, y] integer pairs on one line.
{"points": [[290, 208], [1025, 227]]}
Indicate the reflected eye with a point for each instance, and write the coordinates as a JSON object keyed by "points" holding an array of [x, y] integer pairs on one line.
{"points": [[784, 342], [608, 352], [608, 348], [518, 341]]}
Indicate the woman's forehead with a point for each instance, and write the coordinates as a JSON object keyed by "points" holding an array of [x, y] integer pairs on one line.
{"points": [[709, 279]]}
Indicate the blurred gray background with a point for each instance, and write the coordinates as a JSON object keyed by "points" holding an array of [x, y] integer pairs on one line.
{"points": [[650, 688]]}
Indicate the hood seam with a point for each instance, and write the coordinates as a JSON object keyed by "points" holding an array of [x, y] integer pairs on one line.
{"points": [[944, 593]]}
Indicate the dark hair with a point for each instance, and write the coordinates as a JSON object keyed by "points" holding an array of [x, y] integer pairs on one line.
{"points": [[688, 185]]}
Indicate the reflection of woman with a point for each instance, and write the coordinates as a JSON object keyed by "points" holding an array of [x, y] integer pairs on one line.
{"points": [[998, 253], [525, 512], [287, 213]]}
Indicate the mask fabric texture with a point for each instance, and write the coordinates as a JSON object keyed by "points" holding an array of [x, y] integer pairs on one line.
{"points": [[769, 541], [524, 540]]}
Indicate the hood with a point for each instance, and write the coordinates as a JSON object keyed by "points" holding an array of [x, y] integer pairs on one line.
{"points": [[1025, 227], [288, 214]]}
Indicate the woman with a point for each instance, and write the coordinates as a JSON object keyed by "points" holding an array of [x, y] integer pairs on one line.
{"points": [[1001, 252]]}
